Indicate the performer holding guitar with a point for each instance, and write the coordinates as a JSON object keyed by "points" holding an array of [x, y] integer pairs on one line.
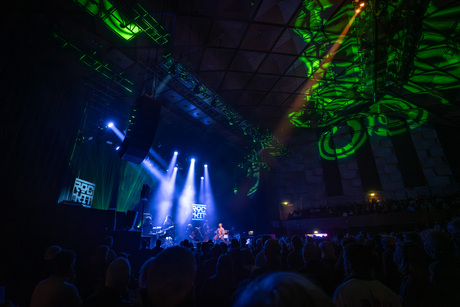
{"points": [[194, 233], [220, 234]]}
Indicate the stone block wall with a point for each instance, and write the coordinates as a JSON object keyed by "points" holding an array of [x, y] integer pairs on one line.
{"points": [[435, 167], [299, 178]]}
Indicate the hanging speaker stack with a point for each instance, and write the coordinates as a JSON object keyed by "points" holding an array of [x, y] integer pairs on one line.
{"points": [[143, 123]]}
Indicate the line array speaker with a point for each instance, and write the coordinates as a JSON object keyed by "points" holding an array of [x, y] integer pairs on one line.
{"points": [[143, 124]]}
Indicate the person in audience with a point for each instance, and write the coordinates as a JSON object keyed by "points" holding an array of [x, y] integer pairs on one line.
{"points": [[243, 242], [218, 290], [91, 278], [316, 270], [361, 288], [115, 293], [327, 252], [157, 249], [444, 267], [46, 268], [294, 258], [208, 267], [453, 228], [111, 254], [272, 252], [246, 267], [412, 262], [257, 248], [168, 279], [340, 264], [138, 257], [205, 252], [390, 271], [58, 289], [260, 257], [282, 289]]}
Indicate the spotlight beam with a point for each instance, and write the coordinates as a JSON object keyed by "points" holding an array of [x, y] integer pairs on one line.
{"points": [[117, 132], [187, 197], [163, 200], [152, 170], [158, 158], [172, 163], [208, 199]]}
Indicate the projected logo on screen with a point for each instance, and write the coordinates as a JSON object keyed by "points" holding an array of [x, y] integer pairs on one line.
{"points": [[83, 192], [199, 212]]}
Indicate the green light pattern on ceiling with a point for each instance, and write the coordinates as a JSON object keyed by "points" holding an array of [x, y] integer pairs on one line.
{"points": [[127, 19], [388, 117], [109, 14], [373, 86]]}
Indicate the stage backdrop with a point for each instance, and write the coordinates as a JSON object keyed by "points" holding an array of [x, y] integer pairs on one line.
{"points": [[118, 183]]}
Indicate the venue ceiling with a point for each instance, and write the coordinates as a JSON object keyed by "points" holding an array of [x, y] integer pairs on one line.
{"points": [[248, 70]]}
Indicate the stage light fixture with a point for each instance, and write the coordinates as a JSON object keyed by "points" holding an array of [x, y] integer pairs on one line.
{"points": [[197, 90], [205, 165], [176, 153], [202, 178], [359, 7], [110, 125], [117, 148], [172, 70]]}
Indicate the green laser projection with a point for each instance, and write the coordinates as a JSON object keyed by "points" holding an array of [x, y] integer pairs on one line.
{"points": [[328, 149], [379, 75]]}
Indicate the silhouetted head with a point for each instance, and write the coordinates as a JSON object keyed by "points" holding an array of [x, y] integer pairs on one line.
{"points": [[282, 289], [359, 259], [272, 250], [64, 263], [168, 278], [311, 252], [297, 242], [118, 274]]}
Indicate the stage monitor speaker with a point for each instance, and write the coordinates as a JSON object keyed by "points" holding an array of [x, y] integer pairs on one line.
{"points": [[143, 124], [111, 219]]}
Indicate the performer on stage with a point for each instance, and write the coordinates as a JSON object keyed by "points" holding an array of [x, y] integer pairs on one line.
{"points": [[147, 226], [168, 222], [190, 231], [169, 227], [220, 234], [205, 230]]}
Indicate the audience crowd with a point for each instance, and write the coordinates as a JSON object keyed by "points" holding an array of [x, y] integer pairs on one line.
{"points": [[375, 205], [363, 269]]}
